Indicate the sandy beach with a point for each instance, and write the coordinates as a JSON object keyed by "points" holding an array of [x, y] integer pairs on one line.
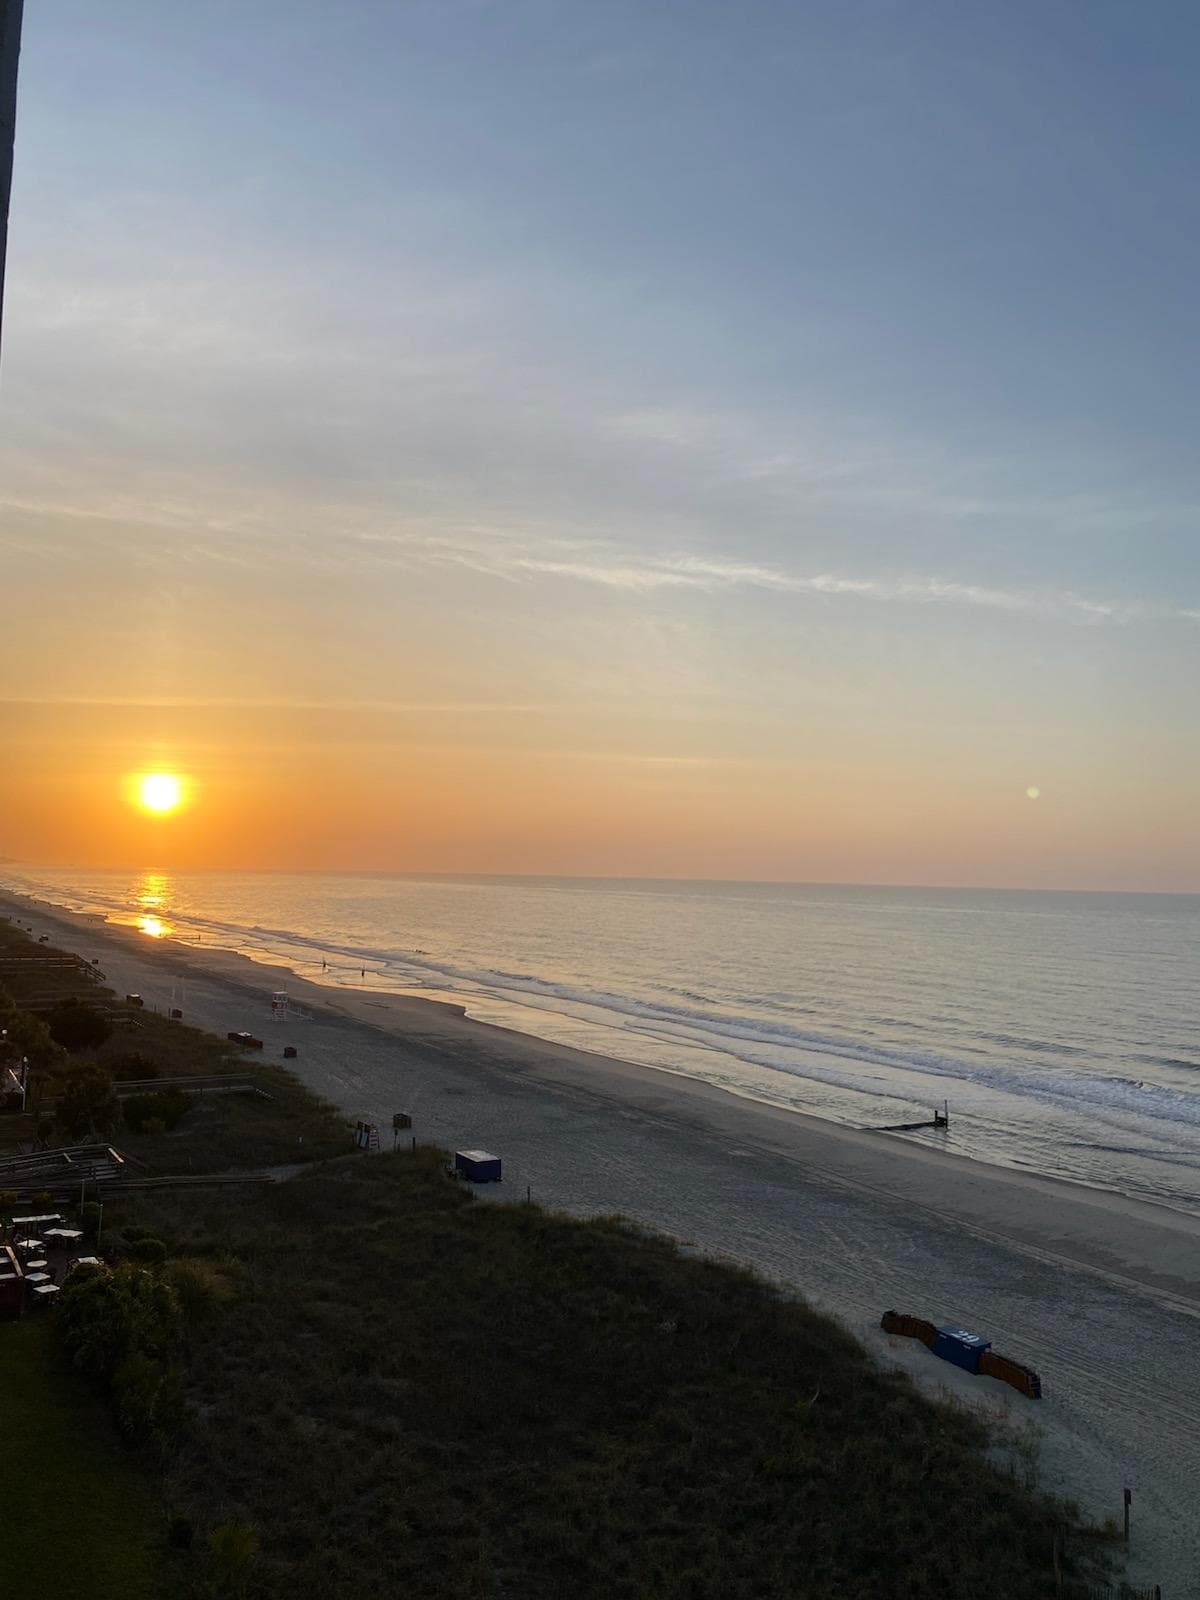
{"points": [[1100, 1293]]}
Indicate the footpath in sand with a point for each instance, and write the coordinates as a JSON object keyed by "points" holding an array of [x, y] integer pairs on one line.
{"points": [[1099, 1293]]}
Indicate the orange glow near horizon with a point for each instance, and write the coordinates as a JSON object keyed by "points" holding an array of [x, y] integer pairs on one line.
{"points": [[373, 791]]}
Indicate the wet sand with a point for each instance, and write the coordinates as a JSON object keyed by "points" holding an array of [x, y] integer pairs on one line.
{"points": [[1098, 1292]]}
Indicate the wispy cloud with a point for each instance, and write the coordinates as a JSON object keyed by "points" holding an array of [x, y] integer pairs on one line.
{"points": [[614, 568], [335, 536], [183, 703]]}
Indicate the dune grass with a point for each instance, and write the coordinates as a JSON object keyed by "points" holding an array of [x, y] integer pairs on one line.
{"points": [[77, 1518], [419, 1393]]}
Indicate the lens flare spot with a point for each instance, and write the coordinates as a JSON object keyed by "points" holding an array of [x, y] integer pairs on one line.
{"points": [[1033, 792]]}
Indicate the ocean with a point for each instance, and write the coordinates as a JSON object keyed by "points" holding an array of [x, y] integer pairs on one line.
{"points": [[1062, 1029]]}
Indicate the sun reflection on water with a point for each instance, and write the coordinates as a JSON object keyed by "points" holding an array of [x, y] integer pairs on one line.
{"points": [[152, 895], [153, 889]]}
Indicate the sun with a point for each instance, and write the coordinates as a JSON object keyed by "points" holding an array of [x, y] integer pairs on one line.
{"points": [[159, 792]]}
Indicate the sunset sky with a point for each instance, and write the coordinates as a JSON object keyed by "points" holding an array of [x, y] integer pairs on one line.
{"points": [[677, 439]]}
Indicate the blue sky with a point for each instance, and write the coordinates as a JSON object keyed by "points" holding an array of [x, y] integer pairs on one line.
{"points": [[793, 369]]}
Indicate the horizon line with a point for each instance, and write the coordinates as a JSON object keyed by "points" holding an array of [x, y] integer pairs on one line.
{"points": [[598, 877]]}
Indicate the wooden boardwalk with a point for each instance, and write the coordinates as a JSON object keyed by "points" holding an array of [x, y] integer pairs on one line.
{"points": [[61, 1169], [202, 1083]]}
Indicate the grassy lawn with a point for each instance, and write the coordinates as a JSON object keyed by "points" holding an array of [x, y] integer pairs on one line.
{"points": [[77, 1519]]}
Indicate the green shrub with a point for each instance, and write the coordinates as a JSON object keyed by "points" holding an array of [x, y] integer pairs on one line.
{"points": [[8, 1200], [87, 1105], [173, 1105], [103, 1315], [129, 1065], [202, 1286], [77, 1026], [149, 1251], [166, 1108], [91, 1323]]}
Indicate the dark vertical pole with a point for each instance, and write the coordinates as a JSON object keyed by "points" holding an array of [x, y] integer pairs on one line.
{"points": [[10, 50], [1128, 1498]]}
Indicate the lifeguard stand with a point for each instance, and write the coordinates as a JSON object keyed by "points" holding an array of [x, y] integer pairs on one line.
{"points": [[285, 1009]]}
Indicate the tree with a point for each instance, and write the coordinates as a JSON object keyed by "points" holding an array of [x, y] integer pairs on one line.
{"points": [[77, 1026], [87, 1104], [91, 1320], [149, 1251], [121, 1327], [30, 1037], [110, 1315]]}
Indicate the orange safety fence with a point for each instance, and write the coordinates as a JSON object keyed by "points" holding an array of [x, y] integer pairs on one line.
{"points": [[908, 1327], [1011, 1372], [991, 1365]]}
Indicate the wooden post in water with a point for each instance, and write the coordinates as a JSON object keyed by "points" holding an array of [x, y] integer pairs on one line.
{"points": [[1128, 1500]]}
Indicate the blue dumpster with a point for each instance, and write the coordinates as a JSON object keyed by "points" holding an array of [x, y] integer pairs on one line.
{"points": [[477, 1165], [962, 1348]]}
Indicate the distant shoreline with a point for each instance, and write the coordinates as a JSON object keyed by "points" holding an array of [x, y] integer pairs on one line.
{"points": [[900, 1167]]}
